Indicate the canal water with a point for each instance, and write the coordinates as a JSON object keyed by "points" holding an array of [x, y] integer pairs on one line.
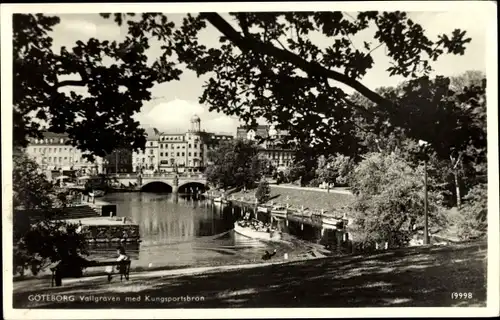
{"points": [[184, 230]]}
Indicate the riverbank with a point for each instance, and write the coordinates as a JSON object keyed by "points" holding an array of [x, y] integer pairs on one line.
{"points": [[227, 255], [410, 277], [298, 198]]}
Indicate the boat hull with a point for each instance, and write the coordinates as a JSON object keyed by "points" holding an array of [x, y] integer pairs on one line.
{"points": [[97, 194], [259, 235], [262, 209], [279, 213]]}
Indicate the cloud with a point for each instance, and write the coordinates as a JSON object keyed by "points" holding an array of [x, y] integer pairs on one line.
{"points": [[82, 27], [221, 124], [175, 116]]}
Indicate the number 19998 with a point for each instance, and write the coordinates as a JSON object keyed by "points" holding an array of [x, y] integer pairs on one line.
{"points": [[461, 295]]}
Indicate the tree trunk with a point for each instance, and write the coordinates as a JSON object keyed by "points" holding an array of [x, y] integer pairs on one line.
{"points": [[457, 189], [456, 166]]}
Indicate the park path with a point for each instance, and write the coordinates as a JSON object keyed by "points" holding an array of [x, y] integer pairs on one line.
{"points": [[412, 277]]}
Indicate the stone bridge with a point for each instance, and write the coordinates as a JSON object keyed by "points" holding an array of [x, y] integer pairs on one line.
{"points": [[191, 182]]}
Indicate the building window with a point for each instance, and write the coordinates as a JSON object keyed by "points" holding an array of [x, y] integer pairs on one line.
{"points": [[173, 147], [189, 154], [195, 146], [65, 158], [195, 154], [161, 154], [151, 151], [189, 146], [183, 154], [166, 154], [177, 153]]}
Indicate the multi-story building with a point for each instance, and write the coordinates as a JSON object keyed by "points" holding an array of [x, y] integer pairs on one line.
{"points": [[54, 154], [279, 157], [119, 161], [184, 152]]}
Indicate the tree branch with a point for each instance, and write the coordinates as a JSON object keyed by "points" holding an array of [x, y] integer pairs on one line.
{"points": [[312, 68], [65, 83]]}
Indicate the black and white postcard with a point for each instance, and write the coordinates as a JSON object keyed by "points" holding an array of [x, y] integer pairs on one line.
{"points": [[231, 160]]}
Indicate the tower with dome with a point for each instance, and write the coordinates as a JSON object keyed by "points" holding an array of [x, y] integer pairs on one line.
{"points": [[182, 152], [195, 123]]}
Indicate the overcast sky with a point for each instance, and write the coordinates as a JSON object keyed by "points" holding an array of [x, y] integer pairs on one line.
{"points": [[175, 102]]}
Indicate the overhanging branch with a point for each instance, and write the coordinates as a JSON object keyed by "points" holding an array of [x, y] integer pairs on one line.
{"points": [[312, 68], [65, 83]]}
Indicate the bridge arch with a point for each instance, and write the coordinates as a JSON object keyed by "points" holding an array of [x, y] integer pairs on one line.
{"points": [[156, 186], [192, 186]]}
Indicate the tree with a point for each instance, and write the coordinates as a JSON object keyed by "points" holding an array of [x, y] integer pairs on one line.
{"points": [[473, 218], [115, 75], [40, 236], [263, 191], [389, 200], [235, 164], [265, 66], [325, 171], [334, 169], [452, 121]]}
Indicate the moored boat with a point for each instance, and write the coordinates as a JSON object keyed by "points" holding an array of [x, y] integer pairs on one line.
{"points": [[97, 193], [280, 211], [260, 234], [262, 209], [217, 200]]}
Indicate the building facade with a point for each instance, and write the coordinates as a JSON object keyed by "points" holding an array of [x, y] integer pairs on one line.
{"points": [[279, 157], [181, 152], [53, 153], [119, 161]]}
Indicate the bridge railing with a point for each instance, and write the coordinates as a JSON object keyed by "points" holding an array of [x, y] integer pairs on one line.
{"points": [[159, 175]]}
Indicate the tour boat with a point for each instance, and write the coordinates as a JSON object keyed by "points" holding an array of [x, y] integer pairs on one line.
{"points": [[97, 193], [250, 232], [280, 211]]}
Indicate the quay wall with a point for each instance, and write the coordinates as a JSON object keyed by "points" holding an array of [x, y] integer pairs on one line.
{"points": [[111, 233]]}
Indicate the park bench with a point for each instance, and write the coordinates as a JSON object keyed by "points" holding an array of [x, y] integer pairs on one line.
{"points": [[59, 272]]}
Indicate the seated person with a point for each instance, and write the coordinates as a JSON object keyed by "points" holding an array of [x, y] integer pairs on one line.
{"points": [[122, 256]]}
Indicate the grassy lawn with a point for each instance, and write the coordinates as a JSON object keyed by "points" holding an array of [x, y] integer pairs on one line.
{"points": [[415, 277], [313, 200]]}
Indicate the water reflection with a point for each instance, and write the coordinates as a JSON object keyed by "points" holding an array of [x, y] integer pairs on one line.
{"points": [[187, 230], [181, 230]]}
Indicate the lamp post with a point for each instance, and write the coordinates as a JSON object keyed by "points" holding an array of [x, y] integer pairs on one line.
{"points": [[424, 145], [116, 162]]}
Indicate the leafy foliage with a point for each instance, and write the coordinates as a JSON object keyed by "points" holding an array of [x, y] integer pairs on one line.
{"points": [[334, 169], [389, 203], [473, 222], [115, 75], [448, 113], [267, 66], [235, 164], [263, 191], [40, 237], [31, 190]]}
